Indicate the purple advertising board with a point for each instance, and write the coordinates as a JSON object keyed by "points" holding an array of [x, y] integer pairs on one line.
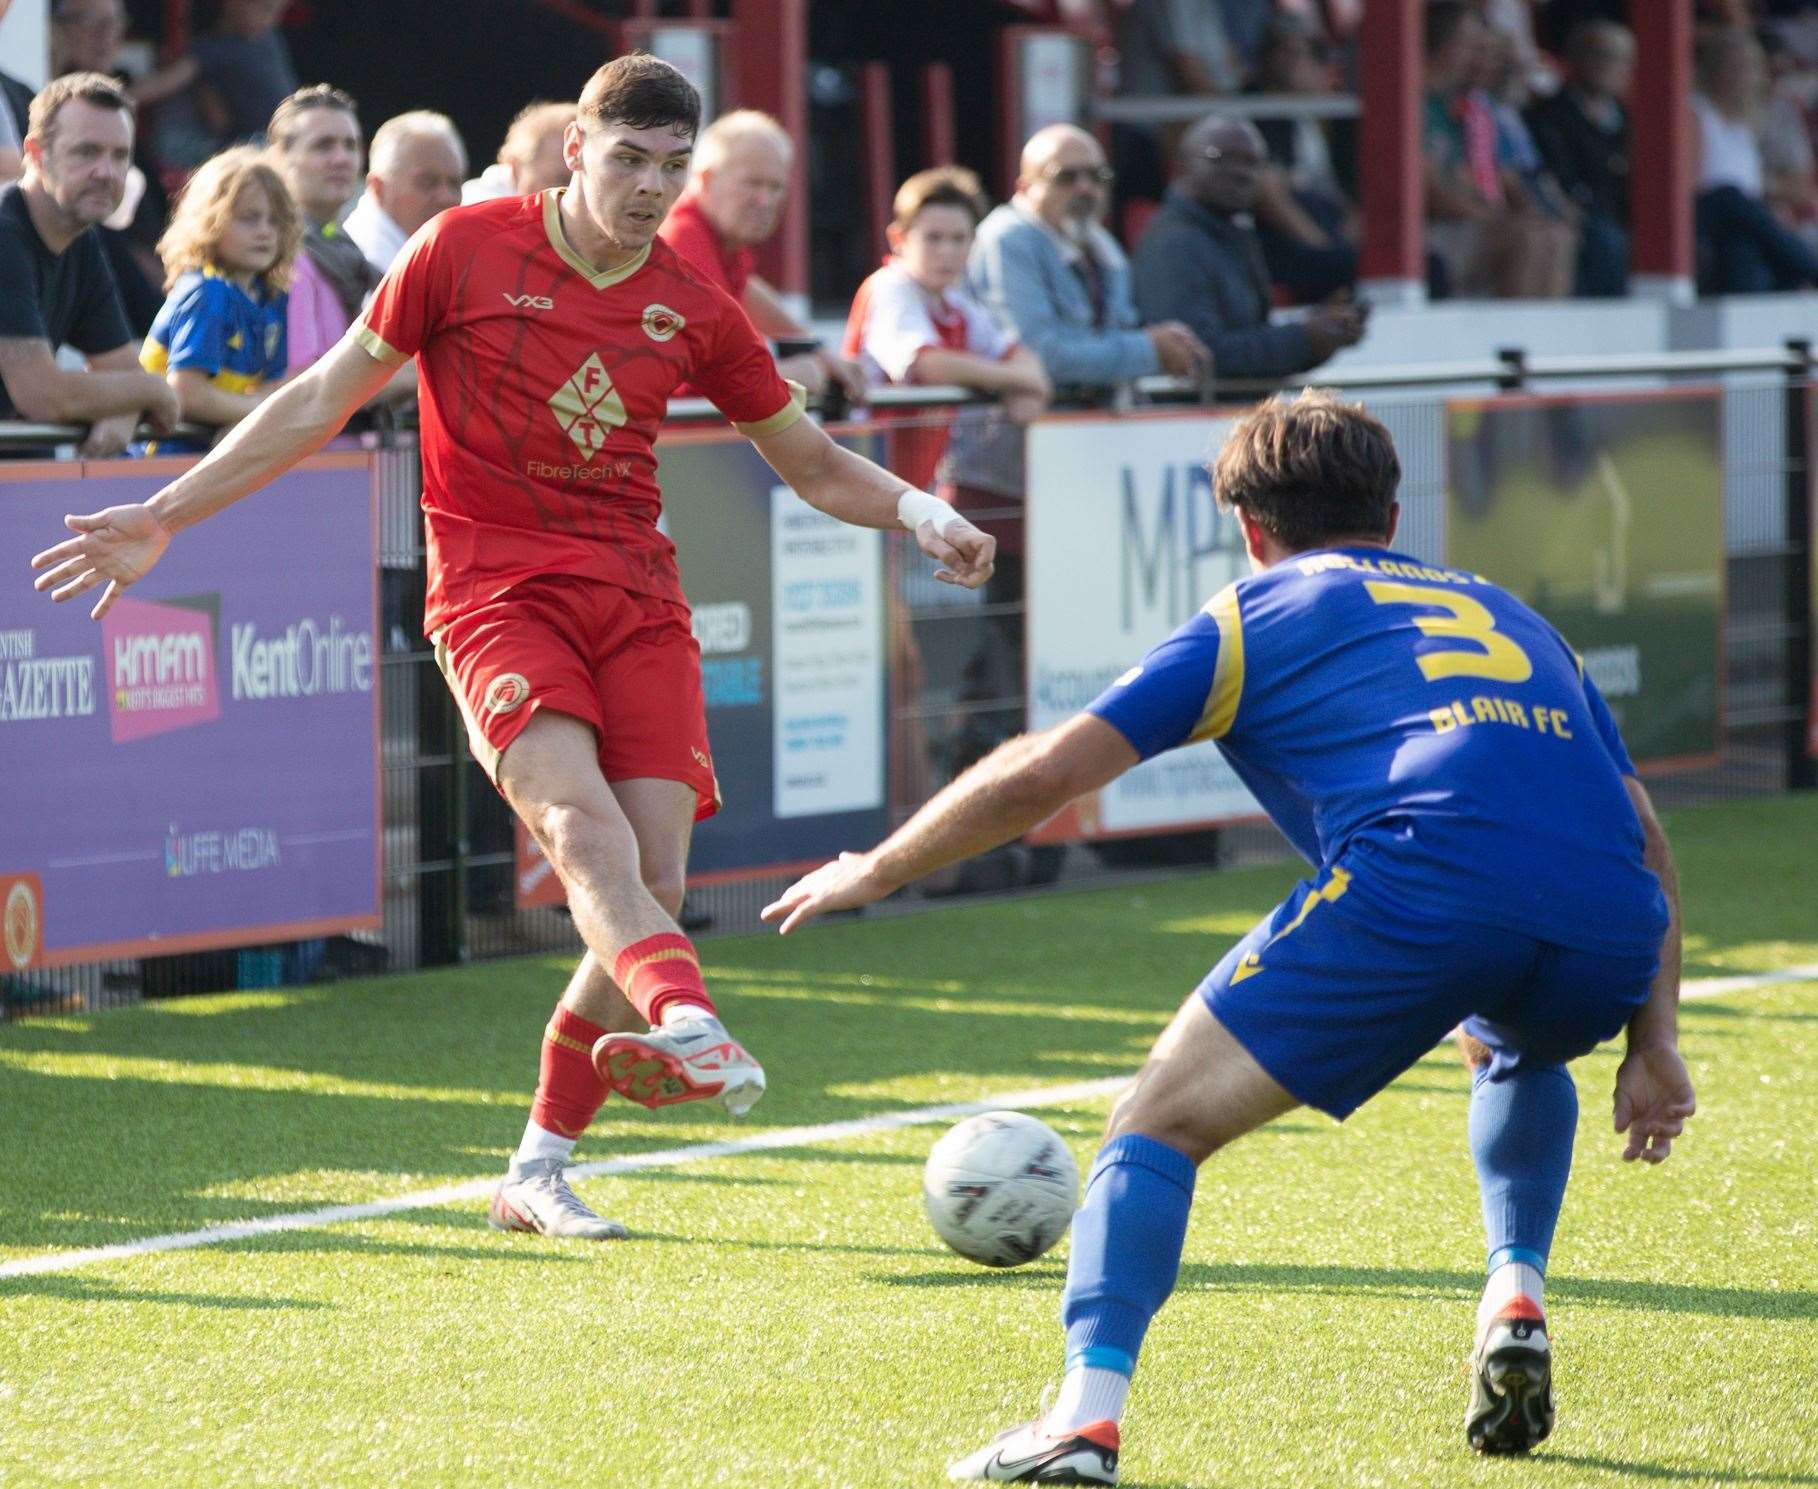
{"points": [[200, 768]]}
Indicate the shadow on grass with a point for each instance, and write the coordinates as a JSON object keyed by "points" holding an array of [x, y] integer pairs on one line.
{"points": [[1651, 1297], [1667, 1473], [81, 1290]]}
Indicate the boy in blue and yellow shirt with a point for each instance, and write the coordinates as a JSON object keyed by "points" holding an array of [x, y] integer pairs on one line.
{"points": [[228, 253]]}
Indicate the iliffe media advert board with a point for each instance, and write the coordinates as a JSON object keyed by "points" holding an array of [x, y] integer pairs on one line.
{"points": [[199, 768]]}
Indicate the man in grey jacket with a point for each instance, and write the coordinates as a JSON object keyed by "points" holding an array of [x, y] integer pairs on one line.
{"points": [[1200, 262], [1046, 268]]}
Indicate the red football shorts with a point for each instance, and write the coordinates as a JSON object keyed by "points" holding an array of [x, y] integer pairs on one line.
{"points": [[626, 664]]}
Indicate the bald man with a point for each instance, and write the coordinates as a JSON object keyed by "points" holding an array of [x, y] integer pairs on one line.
{"points": [[1046, 267], [739, 181], [1200, 262]]}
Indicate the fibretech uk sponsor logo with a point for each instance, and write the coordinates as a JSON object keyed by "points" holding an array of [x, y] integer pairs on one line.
{"points": [[35, 687], [549, 470], [587, 406], [307, 659]]}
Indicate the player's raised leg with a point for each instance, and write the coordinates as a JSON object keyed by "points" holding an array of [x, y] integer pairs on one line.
{"points": [[1199, 1090], [690, 1054], [570, 1090], [552, 778]]}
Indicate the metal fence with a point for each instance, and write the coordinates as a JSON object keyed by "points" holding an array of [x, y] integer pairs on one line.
{"points": [[957, 681]]}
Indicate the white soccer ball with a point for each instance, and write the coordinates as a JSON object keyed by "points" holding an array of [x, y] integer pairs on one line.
{"points": [[1000, 1188]]}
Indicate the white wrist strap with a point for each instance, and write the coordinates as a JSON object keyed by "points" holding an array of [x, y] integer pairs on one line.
{"points": [[913, 508]]}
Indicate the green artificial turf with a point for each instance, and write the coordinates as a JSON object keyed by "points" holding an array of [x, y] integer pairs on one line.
{"points": [[787, 1317]]}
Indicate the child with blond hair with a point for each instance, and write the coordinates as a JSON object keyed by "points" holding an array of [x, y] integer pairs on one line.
{"points": [[228, 255]]}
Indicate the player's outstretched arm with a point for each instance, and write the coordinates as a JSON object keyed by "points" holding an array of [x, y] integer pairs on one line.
{"points": [[846, 485], [1022, 782], [120, 545], [1653, 1090]]}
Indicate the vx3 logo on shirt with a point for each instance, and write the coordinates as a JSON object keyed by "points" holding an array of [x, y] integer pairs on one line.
{"points": [[530, 302]]}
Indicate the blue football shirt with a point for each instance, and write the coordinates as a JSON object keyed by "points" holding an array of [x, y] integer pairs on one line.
{"points": [[209, 324], [1422, 723]]}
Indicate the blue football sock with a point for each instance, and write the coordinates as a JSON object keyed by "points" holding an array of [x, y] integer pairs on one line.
{"points": [[1125, 1251], [1521, 1141]]}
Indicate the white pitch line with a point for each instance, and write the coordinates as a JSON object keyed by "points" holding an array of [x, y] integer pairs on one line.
{"points": [[758, 1142], [454, 1194]]}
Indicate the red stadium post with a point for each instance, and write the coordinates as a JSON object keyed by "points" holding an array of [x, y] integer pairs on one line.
{"points": [[769, 71], [1389, 136], [877, 134], [939, 137], [1660, 151]]}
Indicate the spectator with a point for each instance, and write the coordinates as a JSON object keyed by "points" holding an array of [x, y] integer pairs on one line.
{"points": [[1582, 133], [531, 159], [87, 36], [533, 150], [1047, 269], [742, 163], [1787, 124], [913, 321], [15, 107], [1305, 218], [231, 81], [55, 288], [1167, 47], [1742, 248], [1490, 234], [219, 340], [418, 161], [1200, 262], [316, 147], [1177, 46]]}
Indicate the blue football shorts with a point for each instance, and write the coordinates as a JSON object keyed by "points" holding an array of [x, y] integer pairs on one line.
{"points": [[1336, 993]]}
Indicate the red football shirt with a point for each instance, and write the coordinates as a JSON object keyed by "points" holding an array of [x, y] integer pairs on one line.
{"points": [[687, 230], [544, 386]]}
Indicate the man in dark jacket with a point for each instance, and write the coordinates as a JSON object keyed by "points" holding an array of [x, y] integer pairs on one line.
{"points": [[1200, 263], [1582, 133]]}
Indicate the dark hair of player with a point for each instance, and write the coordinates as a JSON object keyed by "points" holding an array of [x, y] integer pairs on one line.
{"points": [[943, 186], [640, 91], [317, 96], [1310, 470]]}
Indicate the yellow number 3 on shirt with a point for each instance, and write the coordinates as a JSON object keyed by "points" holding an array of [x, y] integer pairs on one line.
{"points": [[1500, 659]]}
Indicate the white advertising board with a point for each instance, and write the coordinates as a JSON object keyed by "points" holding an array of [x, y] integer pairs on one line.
{"points": [[1125, 543], [827, 597]]}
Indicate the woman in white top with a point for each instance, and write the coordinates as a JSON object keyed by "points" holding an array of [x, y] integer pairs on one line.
{"points": [[1742, 247]]}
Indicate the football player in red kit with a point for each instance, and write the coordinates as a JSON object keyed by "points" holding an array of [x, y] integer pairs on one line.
{"points": [[549, 332]]}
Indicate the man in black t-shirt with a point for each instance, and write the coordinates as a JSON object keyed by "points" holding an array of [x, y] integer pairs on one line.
{"points": [[1582, 133], [55, 286]]}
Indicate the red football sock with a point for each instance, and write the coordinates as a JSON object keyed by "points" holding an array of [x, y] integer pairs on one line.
{"points": [[569, 1089], [659, 971]]}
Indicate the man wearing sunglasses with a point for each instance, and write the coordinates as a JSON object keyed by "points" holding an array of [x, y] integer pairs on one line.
{"points": [[1201, 262], [1045, 266]]}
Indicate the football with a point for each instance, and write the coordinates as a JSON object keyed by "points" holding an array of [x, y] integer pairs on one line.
{"points": [[1000, 1188]]}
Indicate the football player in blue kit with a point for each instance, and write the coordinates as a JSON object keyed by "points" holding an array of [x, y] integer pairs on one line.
{"points": [[1485, 861]]}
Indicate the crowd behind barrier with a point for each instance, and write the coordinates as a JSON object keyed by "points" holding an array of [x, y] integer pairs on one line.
{"points": [[1122, 540]]}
